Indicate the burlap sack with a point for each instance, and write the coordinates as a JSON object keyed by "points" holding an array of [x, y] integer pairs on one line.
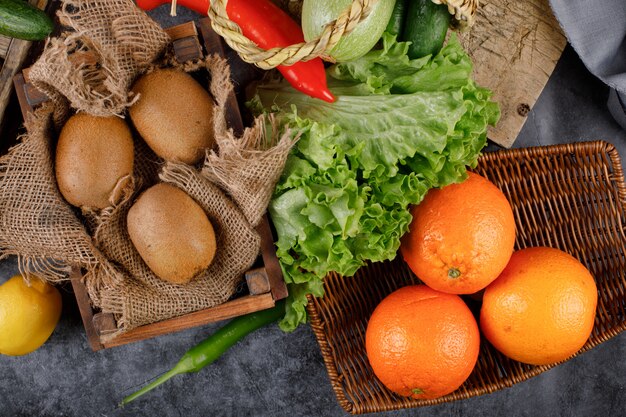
{"points": [[233, 185], [246, 167], [93, 65], [35, 222], [136, 295], [140, 297]]}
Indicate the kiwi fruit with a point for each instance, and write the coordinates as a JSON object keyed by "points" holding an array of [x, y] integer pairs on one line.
{"points": [[172, 233], [174, 115], [94, 160]]}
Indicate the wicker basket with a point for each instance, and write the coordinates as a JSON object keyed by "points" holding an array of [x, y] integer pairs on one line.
{"points": [[571, 197], [462, 10]]}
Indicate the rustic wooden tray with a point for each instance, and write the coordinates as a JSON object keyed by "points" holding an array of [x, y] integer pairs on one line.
{"points": [[265, 283], [572, 197]]}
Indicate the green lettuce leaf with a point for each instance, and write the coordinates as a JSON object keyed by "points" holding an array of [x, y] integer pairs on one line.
{"points": [[390, 71], [398, 128]]}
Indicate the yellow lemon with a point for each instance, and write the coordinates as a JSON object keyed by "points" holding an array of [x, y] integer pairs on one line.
{"points": [[28, 315]]}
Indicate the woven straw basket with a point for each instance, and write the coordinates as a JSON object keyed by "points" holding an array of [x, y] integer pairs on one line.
{"points": [[570, 197], [463, 11]]}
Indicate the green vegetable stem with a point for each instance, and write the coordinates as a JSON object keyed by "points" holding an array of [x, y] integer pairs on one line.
{"points": [[211, 348]]}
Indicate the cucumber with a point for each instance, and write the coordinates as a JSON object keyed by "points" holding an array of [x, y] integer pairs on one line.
{"points": [[18, 19], [396, 22], [425, 27]]}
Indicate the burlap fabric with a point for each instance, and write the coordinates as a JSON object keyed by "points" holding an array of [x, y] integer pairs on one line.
{"points": [[140, 297], [233, 184], [93, 65], [35, 222]]}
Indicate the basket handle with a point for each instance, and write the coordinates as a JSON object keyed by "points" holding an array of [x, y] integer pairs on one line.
{"points": [[271, 58]]}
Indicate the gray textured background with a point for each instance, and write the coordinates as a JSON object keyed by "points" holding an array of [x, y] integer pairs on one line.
{"points": [[275, 374]]}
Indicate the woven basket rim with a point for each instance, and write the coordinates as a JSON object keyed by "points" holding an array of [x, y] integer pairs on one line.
{"points": [[317, 321], [462, 10]]}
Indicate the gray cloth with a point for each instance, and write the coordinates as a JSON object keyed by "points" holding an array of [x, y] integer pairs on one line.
{"points": [[597, 31]]}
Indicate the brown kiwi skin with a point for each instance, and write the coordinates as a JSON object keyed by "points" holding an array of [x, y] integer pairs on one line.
{"points": [[172, 233], [174, 115], [94, 160]]}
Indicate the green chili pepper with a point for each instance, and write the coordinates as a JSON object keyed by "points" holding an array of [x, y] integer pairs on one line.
{"points": [[211, 348]]}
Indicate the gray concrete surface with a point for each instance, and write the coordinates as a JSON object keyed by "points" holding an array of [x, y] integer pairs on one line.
{"points": [[276, 374]]}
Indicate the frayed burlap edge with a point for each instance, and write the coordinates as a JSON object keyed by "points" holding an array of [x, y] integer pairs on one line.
{"points": [[46, 242], [248, 167], [94, 65], [138, 298]]}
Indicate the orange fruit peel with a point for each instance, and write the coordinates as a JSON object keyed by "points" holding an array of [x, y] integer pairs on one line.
{"points": [[461, 236], [541, 309], [422, 343]]}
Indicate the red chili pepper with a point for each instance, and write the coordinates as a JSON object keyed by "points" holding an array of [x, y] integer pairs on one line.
{"points": [[268, 26]]}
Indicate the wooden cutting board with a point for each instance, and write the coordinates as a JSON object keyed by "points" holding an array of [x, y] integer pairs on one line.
{"points": [[515, 45]]}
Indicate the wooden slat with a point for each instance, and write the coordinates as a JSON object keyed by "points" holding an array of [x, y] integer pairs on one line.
{"points": [[185, 41], [234, 308], [13, 62], [270, 261], [187, 49], [84, 306], [5, 41], [26, 74], [515, 46], [104, 323], [181, 31], [258, 282], [16, 54], [20, 91], [213, 45], [27, 95], [34, 96]]}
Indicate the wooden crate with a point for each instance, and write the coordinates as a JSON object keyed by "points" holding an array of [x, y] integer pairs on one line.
{"points": [[265, 283], [13, 53]]}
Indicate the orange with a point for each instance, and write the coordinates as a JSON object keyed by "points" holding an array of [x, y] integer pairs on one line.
{"points": [[461, 236], [542, 308], [422, 343]]}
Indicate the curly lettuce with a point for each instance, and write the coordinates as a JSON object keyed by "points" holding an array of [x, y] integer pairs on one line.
{"points": [[398, 128]]}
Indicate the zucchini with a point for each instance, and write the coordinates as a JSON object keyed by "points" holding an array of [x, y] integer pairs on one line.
{"points": [[18, 19], [396, 22], [425, 27], [317, 13]]}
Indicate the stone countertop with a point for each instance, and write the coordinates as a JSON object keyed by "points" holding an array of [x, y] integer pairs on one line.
{"points": [[275, 374]]}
